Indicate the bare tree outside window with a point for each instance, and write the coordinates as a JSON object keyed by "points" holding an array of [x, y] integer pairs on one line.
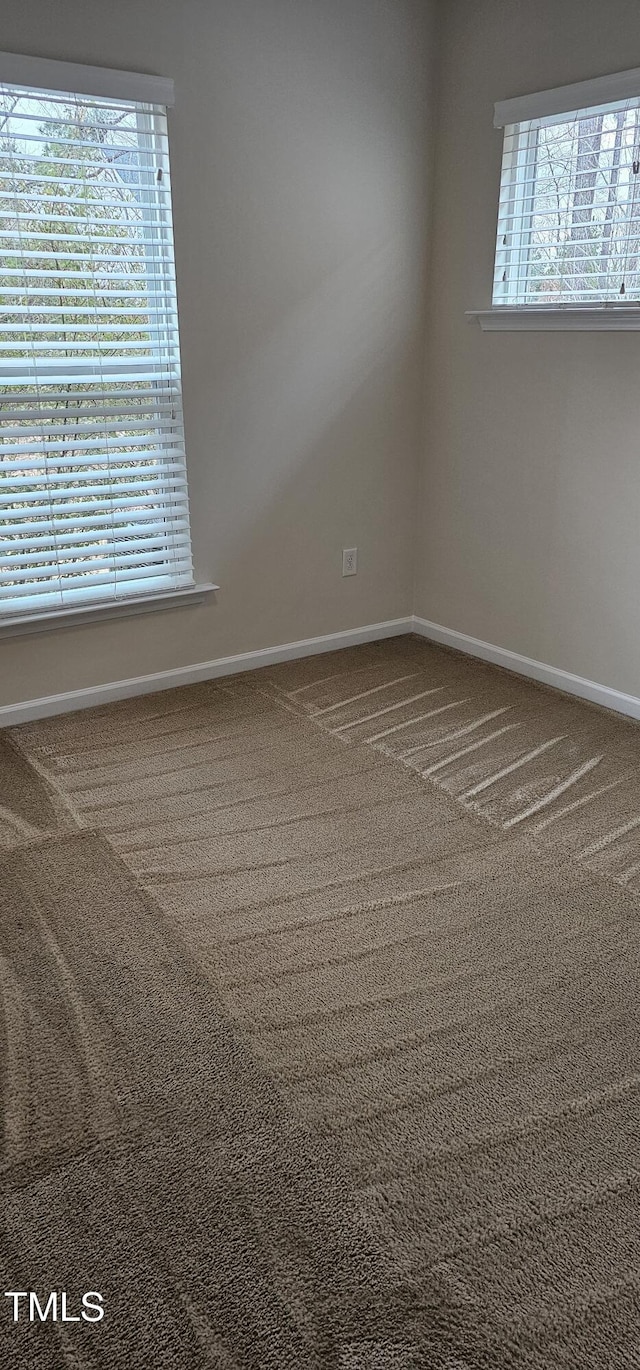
{"points": [[574, 209]]}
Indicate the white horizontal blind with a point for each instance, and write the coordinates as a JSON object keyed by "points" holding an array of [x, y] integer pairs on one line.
{"points": [[93, 493], [569, 213]]}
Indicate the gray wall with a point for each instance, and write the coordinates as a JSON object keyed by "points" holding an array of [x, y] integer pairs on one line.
{"points": [[300, 157], [529, 531]]}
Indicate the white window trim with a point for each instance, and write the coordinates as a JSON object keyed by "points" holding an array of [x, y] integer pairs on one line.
{"points": [[43, 74], [124, 608], [608, 318], [621, 85], [550, 319]]}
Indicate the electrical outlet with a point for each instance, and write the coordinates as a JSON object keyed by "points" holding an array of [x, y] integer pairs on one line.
{"points": [[349, 561]]}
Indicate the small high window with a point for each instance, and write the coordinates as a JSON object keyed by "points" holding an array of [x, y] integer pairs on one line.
{"points": [[569, 213]]}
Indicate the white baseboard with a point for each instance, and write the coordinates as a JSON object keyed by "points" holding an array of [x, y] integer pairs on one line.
{"points": [[31, 709], [535, 670]]}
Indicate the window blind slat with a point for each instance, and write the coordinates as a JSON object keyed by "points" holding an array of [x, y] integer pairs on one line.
{"points": [[133, 504], [89, 150], [70, 347], [88, 445], [17, 420], [25, 274], [101, 559], [91, 543], [127, 477], [114, 585], [87, 527], [43, 316], [131, 421]]}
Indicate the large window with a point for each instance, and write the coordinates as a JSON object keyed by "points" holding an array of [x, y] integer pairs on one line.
{"points": [[93, 494], [569, 214]]}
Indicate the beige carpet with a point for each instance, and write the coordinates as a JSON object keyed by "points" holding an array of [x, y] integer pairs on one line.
{"points": [[321, 1023]]}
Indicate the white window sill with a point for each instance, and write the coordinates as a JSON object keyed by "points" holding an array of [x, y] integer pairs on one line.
{"points": [[68, 618], [510, 318]]}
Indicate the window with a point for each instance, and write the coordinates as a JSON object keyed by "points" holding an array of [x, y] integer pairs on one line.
{"points": [[569, 213], [93, 492]]}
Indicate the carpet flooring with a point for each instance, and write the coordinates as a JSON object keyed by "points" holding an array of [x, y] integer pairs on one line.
{"points": [[321, 1022]]}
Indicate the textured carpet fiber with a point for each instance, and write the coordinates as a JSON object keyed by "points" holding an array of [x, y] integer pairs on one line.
{"points": [[321, 1023]]}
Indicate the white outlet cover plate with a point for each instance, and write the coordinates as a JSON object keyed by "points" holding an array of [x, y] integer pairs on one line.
{"points": [[349, 561]]}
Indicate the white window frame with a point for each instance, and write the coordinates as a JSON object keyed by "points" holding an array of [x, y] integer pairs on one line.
{"points": [[609, 317], [44, 74]]}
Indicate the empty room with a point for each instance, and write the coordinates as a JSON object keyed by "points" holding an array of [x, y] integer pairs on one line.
{"points": [[320, 684]]}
